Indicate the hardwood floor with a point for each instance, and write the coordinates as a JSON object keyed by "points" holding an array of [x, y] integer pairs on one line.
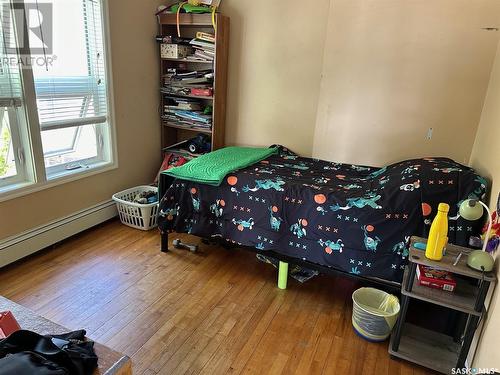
{"points": [[214, 312]]}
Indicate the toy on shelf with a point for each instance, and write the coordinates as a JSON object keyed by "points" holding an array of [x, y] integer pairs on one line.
{"points": [[493, 239], [199, 144], [191, 6]]}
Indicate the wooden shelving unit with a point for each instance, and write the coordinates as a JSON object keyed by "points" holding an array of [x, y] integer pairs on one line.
{"points": [[172, 134]]}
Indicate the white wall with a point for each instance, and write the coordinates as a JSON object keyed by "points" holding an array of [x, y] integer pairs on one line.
{"points": [[275, 59], [486, 159], [393, 69]]}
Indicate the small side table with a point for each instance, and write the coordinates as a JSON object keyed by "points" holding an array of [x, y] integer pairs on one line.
{"points": [[431, 349]]}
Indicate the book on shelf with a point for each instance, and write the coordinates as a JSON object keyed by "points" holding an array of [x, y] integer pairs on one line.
{"points": [[194, 116], [203, 44], [186, 125], [183, 100], [204, 52], [184, 106], [203, 55], [182, 118], [189, 112], [187, 81], [196, 90], [209, 51], [206, 37], [202, 91], [176, 78], [191, 73]]}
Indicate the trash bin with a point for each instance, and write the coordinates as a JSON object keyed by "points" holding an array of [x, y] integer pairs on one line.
{"points": [[374, 313]]}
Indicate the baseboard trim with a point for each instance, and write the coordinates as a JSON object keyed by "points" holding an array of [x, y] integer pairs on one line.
{"points": [[33, 240]]}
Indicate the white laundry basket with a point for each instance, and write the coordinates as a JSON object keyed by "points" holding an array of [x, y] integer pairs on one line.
{"points": [[136, 215]]}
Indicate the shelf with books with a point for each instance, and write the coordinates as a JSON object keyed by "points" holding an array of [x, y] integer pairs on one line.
{"points": [[197, 130], [187, 60], [200, 97], [463, 298], [181, 74]]}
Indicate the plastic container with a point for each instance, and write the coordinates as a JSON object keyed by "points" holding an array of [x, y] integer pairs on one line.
{"points": [[136, 215], [374, 313], [438, 234]]}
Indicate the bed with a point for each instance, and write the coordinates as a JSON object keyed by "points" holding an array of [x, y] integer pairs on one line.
{"points": [[350, 218]]}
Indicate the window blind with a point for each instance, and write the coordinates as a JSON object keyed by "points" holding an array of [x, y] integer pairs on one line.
{"points": [[10, 78], [68, 101]]}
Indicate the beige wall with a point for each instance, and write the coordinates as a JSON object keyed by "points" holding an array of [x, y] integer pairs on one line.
{"points": [[275, 60], [393, 69], [486, 159], [135, 79]]}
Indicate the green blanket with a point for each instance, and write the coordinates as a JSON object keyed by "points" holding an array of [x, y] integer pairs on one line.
{"points": [[211, 168]]}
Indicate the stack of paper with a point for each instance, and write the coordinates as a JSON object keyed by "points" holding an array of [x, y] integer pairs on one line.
{"points": [[204, 46]]}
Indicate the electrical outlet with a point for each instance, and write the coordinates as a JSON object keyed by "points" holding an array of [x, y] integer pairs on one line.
{"points": [[429, 133]]}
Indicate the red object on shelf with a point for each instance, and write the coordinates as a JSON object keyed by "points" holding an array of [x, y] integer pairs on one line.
{"points": [[202, 92], [8, 324], [435, 278], [170, 161]]}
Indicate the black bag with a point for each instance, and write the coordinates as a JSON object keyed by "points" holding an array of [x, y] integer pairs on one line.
{"points": [[28, 353]]}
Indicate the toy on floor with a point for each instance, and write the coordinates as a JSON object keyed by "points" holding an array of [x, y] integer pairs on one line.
{"points": [[178, 244]]}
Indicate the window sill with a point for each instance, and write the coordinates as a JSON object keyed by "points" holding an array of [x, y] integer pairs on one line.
{"points": [[26, 188]]}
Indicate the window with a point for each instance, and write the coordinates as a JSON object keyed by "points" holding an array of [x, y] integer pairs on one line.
{"points": [[13, 166], [60, 71]]}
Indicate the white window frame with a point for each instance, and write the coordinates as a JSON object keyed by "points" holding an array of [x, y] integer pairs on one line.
{"points": [[57, 171], [34, 176], [15, 138]]}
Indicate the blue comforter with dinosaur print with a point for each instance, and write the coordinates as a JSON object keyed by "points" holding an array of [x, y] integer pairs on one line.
{"points": [[354, 218]]}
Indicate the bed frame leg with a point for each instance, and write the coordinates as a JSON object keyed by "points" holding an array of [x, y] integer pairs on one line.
{"points": [[282, 275], [164, 243]]}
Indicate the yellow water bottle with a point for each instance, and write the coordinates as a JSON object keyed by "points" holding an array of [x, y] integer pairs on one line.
{"points": [[438, 235]]}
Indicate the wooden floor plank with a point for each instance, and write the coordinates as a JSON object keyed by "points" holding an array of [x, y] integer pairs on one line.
{"points": [[214, 312]]}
